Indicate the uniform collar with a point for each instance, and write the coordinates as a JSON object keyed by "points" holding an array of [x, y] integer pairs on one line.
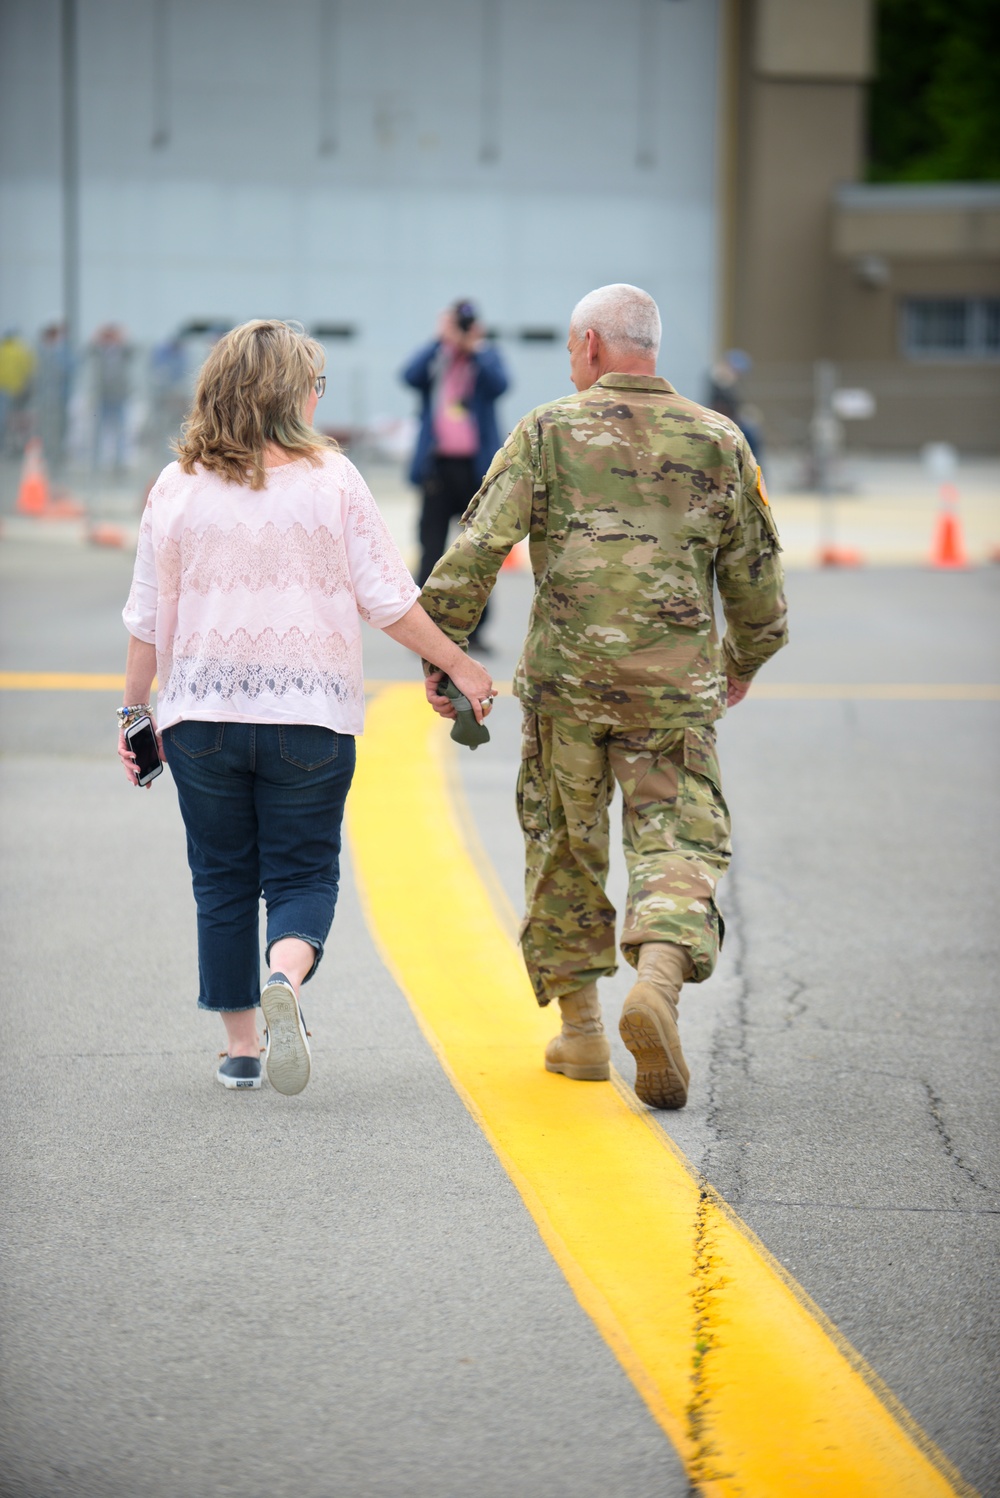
{"points": [[612, 381]]}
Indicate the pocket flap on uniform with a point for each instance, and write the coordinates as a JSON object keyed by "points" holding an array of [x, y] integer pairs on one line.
{"points": [[530, 743], [700, 756]]}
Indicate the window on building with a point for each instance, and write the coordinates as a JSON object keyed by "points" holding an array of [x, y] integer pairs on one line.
{"points": [[991, 325], [951, 328]]}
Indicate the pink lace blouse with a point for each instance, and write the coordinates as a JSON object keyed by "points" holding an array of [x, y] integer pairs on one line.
{"points": [[253, 598]]}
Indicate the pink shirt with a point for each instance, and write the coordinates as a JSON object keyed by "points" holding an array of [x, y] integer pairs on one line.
{"points": [[254, 598], [455, 432]]}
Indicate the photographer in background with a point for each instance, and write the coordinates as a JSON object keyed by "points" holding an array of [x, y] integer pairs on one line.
{"points": [[460, 377]]}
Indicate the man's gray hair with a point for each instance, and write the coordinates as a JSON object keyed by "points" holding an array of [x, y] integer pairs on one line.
{"points": [[626, 318]]}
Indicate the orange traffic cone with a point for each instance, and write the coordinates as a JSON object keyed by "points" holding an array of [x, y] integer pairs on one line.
{"points": [[33, 496], [948, 548], [840, 556], [517, 559], [831, 553], [107, 535]]}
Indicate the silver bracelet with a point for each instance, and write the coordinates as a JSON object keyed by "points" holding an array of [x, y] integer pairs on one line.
{"points": [[127, 715]]}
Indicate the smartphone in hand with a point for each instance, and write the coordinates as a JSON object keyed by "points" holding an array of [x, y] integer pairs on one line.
{"points": [[141, 740]]}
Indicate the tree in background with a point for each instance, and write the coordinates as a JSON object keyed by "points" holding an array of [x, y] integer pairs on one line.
{"points": [[934, 113]]}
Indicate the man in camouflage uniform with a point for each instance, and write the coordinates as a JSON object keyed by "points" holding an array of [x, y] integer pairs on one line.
{"points": [[634, 500]]}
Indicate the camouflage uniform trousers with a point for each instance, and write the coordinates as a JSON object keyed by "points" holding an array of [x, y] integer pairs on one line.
{"points": [[675, 829]]}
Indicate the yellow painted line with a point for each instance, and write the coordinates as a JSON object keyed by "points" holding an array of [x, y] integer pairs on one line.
{"points": [[893, 691], [756, 1389], [82, 681], [917, 691], [61, 681]]}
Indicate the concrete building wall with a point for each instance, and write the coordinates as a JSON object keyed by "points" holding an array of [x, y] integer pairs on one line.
{"points": [[801, 76], [362, 163], [867, 318], [824, 268], [801, 138], [892, 247]]}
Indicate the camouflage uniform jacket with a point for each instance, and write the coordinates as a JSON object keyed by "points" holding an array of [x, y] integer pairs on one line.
{"points": [[634, 499]]}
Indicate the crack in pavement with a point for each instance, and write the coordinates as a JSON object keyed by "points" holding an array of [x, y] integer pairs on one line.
{"points": [[761, 1201], [935, 1105], [729, 1050], [740, 1049], [794, 1008], [703, 1463]]}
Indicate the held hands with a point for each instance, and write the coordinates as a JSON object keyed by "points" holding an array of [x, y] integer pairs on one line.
{"points": [[472, 679]]}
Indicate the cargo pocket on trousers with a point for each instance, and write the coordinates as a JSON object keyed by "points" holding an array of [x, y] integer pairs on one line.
{"points": [[700, 756], [532, 789], [704, 818]]}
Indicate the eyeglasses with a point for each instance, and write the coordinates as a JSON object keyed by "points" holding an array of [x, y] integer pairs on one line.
{"points": [[320, 385]]}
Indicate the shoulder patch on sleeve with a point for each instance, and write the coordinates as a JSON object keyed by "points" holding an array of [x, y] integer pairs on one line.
{"points": [[758, 498], [761, 486]]}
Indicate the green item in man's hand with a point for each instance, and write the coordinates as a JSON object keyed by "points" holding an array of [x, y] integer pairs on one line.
{"points": [[465, 729]]}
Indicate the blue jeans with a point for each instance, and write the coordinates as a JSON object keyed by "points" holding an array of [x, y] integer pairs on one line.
{"points": [[262, 805]]}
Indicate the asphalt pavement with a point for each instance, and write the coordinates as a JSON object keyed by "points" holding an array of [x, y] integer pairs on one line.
{"points": [[207, 1293]]}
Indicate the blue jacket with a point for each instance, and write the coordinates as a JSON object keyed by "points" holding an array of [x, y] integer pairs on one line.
{"points": [[491, 382]]}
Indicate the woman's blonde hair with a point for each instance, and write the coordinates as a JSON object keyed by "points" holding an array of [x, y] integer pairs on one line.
{"points": [[251, 391]]}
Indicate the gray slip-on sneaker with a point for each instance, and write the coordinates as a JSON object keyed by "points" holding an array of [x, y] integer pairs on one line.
{"points": [[287, 1057]]}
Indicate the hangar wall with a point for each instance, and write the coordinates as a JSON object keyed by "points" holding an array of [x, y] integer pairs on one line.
{"points": [[362, 162]]}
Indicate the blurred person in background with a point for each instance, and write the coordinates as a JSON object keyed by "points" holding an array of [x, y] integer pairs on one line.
{"points": [[111, 359], [17, 368], [726, 397], [260, 552], [51, 396], [460, 377], [168, 371], [637, 503]]}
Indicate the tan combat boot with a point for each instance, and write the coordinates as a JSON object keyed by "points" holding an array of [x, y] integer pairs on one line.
{"points": [[648, 1025], [581, 1051]]}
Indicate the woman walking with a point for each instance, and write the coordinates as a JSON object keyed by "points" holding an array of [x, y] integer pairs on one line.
{"points": [[260, 551]]}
